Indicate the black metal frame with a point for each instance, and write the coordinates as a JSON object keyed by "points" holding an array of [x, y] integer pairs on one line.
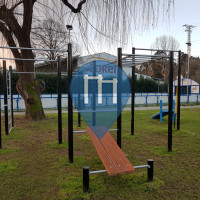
{"points": [[170, 102], [86, 170], [11, 94], [138, 59], [87, 173], [70, 106], [0, 127], [133, 96], [6, 99], [119, 98], [179, 90], [59, 102]]}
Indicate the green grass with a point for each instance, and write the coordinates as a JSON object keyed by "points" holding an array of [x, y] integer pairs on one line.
{"points": [[162, 151], [57, 145], [6, 151], [34, 166], [6, 167]]}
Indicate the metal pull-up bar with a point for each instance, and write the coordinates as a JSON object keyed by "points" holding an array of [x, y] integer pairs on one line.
{"points": [[37, 49], [8, 90]]}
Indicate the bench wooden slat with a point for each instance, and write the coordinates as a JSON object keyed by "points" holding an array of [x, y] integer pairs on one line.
{"points": [[110, 149], [111, 155], [126, 163], [107, 162]]}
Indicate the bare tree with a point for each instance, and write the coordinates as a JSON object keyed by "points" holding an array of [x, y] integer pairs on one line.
{"points": [[110, 20], [50, 34], [166, 43]]}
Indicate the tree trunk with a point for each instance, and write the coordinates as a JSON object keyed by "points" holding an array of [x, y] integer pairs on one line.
{"points": [[30, 90]]}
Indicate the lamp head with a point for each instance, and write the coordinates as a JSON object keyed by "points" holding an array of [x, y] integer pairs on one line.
{"points": [[69, 27]]}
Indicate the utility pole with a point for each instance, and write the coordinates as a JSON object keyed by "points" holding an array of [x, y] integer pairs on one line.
{"points": [[189, 30]]}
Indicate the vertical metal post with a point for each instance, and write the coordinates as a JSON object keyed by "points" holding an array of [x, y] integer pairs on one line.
{"points": [[133, 94], [0, 125], [94, 97], [170, 102], [5, 97], [119, 97], [179, 91], [11, 96], [70, 105], [86, 179], [59, 101], [79, 115], [150, 170]]}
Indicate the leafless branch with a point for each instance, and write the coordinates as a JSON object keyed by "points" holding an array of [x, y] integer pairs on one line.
{"points": [[72, 8], [16, 5]]}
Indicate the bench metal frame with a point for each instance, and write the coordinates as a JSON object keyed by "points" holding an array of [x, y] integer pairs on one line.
{"points": [[87, 173]]}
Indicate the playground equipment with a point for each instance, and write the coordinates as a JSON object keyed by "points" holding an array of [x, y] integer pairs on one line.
{"points": [[112, 153], [114, 160], [127, 60], [164, 113], [8, 100], [132, 60]]}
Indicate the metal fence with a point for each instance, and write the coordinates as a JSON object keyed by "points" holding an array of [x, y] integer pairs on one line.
{"points": [[49, 101]]}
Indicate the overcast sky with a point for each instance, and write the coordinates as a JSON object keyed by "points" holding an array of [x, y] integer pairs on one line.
{"points": [[185, 12]]}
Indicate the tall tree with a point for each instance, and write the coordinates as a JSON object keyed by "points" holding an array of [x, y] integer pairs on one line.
{"points": [[162, 66], [111, 20], [165, 42], [50, 34], [16, 32]]}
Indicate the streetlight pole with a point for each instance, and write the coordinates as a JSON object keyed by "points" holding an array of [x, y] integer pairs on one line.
{"points": [[69, 28]]}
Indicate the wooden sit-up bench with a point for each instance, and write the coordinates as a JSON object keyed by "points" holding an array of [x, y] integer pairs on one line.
{"points": [[114, 160]]}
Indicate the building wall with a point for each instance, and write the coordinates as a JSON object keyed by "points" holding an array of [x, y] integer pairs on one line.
{"points": [[195, 87]]}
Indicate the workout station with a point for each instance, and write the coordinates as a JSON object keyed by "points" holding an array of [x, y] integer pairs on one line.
{"points": [[87, 87]]}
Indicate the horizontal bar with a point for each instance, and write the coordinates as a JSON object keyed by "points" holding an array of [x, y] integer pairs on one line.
{"points": [[141, 166], [38, 49], [155, 50], [113, 129], [23, 59], [130, 58], [97, 172], [91, 111], [136, 60], [51, 73], [145, 55], [35, 73], [80, 131], [75, 111], [103, 171], [135, 63]]}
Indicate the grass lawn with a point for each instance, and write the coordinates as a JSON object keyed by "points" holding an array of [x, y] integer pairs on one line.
{"points": [[33, 166]]}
